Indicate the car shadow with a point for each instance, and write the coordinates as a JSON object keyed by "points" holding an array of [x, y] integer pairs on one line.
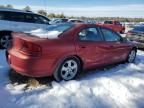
{"points": [[18, 79]]}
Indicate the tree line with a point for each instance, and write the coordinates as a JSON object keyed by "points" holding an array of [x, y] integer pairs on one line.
{"points": [[53, 15]]}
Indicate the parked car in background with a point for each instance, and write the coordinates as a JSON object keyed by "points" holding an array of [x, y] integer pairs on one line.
{"points": [[65, 50], [58, 20], [75, 21], [114, 25], [18, 21], [137, 35]]}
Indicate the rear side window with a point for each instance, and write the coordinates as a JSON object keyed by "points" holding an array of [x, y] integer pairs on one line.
{"points": [[16, 16], [1, 16], [110, 35], [90, 34]]}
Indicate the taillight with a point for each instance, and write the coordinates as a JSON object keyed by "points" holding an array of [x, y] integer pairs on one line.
{"points": [[30, 49]]}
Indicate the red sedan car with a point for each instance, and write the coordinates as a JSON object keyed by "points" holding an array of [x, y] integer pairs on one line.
{"points": [[65, 50]]}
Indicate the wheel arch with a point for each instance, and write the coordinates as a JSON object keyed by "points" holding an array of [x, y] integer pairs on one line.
{"points": [[73, 56], [67, 57], [55, 74]]}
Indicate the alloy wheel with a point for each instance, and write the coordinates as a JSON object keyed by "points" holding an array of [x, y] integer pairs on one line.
{"points": [[132, 56], [69, 69], [5, 41]]}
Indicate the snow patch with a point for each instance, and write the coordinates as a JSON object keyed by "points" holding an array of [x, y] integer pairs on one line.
{"points": [[119, 87], [41, 33]]}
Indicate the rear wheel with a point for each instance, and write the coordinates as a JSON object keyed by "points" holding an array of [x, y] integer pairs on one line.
{"points": [[67, 70], [131, 56], [5, 40]]}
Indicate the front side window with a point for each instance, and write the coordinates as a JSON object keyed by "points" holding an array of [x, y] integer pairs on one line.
{"points": [[41, 20], [110, 36], [90, 34], [29, 18], [44, 20]]}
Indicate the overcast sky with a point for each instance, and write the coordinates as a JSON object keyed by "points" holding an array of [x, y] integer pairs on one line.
{"points": [[88, 8]]}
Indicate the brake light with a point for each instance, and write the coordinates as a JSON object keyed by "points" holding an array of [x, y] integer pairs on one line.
{"points": [[30, 49]]}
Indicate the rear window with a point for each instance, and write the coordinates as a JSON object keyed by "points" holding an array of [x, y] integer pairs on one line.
{"points": [[139, 28], [52, 32], [60, 28]]}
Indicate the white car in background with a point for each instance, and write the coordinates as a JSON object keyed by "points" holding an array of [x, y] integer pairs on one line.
{"points": [[14, 20], [75, 21]]}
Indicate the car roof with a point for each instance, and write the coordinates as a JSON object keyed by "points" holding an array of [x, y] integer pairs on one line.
{"points": [[18, 10], [15, 10]]}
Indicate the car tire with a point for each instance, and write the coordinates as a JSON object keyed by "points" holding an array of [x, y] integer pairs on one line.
{"points": [[5, 40], [132, 55], [67, 70]]}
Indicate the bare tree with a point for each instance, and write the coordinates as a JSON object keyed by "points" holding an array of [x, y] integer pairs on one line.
{"points": [[27, 8], [42, 12], [9, 6]]}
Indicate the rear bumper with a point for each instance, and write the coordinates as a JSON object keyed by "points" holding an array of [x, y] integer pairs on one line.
{"points": [[30, 66]]}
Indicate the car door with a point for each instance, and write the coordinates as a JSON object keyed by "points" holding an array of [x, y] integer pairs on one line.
{"points": [[89, 46], [15, 19], [118, 49]]}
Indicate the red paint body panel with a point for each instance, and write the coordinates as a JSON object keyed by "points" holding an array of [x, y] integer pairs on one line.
{"points": [[54, 51]]}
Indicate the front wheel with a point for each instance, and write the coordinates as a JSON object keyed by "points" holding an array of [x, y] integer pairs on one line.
{"points": [[131, 56], [67, 70]]}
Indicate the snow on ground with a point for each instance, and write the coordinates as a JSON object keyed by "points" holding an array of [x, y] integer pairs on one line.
{"points": [[121, 86]]}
